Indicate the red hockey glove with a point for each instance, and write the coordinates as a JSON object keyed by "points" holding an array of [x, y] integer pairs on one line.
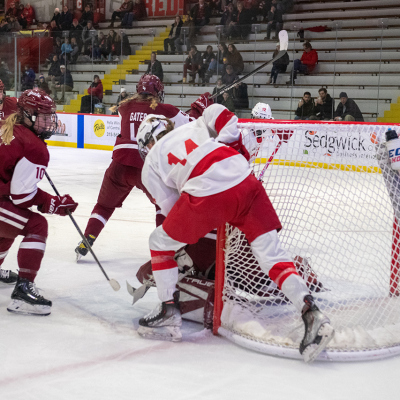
{"points": [[58, 205], [240, 148], [202, 103]]}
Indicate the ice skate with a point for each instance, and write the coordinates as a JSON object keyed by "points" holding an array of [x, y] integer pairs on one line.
{"points": [[27, 300], [164, 322], [81, 250], [7, 276], [318, 331]]}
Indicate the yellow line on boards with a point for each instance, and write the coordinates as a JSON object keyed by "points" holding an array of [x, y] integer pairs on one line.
{"points": [[62, 144]]}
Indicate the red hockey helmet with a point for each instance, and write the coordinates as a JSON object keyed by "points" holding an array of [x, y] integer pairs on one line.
{"points": [[40, 109], [151, 84]]}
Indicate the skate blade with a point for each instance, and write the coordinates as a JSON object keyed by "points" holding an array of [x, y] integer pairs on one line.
{"points": [[168, 333], [78, 256], [312, 351], [21, 307]]}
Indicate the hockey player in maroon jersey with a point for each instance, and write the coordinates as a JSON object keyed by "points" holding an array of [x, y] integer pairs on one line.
{"points": [[124, 172], [23, 161], [8, 105], [199, 184]]}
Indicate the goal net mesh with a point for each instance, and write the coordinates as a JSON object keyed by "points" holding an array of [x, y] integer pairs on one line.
{"points": [[337, 198]]}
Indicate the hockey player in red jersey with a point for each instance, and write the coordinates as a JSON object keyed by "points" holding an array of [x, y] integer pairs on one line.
{"points": [[199, 184], [23, 161], [124, 172], [8, 105]]}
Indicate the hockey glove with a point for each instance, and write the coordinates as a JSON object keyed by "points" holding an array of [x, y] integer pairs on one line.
{"points": [[58, 205], [202, 103], [240, 148]]}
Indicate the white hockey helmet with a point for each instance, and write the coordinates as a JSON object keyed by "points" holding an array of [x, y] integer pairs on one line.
{"points": [[149, 129], [261, 111]]}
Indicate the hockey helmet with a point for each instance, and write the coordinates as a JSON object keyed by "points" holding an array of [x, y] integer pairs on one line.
{"points": [[151, 84], [149, 129], [39, 108], [261, 111]]}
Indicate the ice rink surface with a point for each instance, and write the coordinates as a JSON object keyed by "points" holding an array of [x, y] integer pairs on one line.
{"points": [[88, 347]]}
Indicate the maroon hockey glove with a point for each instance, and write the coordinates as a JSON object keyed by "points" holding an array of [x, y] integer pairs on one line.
{"points": [[58, 205], [202, 103], [240, 148]]}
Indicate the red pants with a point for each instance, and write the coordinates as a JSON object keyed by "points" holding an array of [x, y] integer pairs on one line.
{"points": [[118, 182], [193, 68], [245, 206], [16, 221]]}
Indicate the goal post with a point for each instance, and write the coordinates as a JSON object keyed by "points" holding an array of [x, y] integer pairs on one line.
{"points": [[339, 202]]}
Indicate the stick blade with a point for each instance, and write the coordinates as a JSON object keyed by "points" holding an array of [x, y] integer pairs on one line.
{"points": [[114, 284], [138, 293], [283, 40]]}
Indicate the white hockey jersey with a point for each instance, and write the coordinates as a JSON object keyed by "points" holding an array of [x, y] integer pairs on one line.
{"points": [[193, 159]]}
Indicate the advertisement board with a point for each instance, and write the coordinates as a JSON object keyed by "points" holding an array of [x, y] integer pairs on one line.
{"points": [[100, 131], [67, 131]]}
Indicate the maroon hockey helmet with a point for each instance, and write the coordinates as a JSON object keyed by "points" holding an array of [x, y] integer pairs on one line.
{"points": [[151, 84], [40, 109]]}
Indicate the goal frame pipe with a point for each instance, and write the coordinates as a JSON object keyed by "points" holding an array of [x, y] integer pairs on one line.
{"points": [[219, 277]]}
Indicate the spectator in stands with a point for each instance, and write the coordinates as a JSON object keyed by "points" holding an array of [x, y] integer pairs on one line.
{"points": [[217, 88], [65, 20], [274, 21], [54, 71], [228, 18], [4, 27], [86, 16], [13, 24], [240, 96], [240, 27], [347, 109], [207, 56], [64, 83], [28, 78], [55, 32], [66, 50], [126, 7], [5, 75], [88, 34], [215, 7], [56, 17], [114, 45], [306, 64], [193, 63], [235, 59], [186, 38], [126, 46], [95, 96], [21, 16], [155, 67], [324, 106], [200, 13], [174, 34], [278, 66], [217, 62], [305, 108], [76, 32], [29, 14], [122, 96], [12, 10], [228, 102], [229, 76], [75, 51], [101, 49], [42, 84], [138, 12]]}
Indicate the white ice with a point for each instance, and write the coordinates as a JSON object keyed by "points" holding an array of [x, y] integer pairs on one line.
{"points": [[88, 347]]}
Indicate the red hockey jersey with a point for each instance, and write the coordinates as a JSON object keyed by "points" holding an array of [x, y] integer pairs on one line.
{"points": [[132, 114], [9, 107], [22, 166]]}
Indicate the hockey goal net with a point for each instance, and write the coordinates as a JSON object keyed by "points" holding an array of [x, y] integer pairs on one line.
{"points": [[337, 198]]}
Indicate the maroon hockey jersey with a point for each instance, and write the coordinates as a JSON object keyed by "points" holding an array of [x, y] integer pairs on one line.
{"points": [[9, 107], [132, 114], [22, 167]]}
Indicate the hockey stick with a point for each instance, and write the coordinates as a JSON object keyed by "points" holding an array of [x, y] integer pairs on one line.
{"points": [[138, 293], [283, 45], [114, 284]]}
